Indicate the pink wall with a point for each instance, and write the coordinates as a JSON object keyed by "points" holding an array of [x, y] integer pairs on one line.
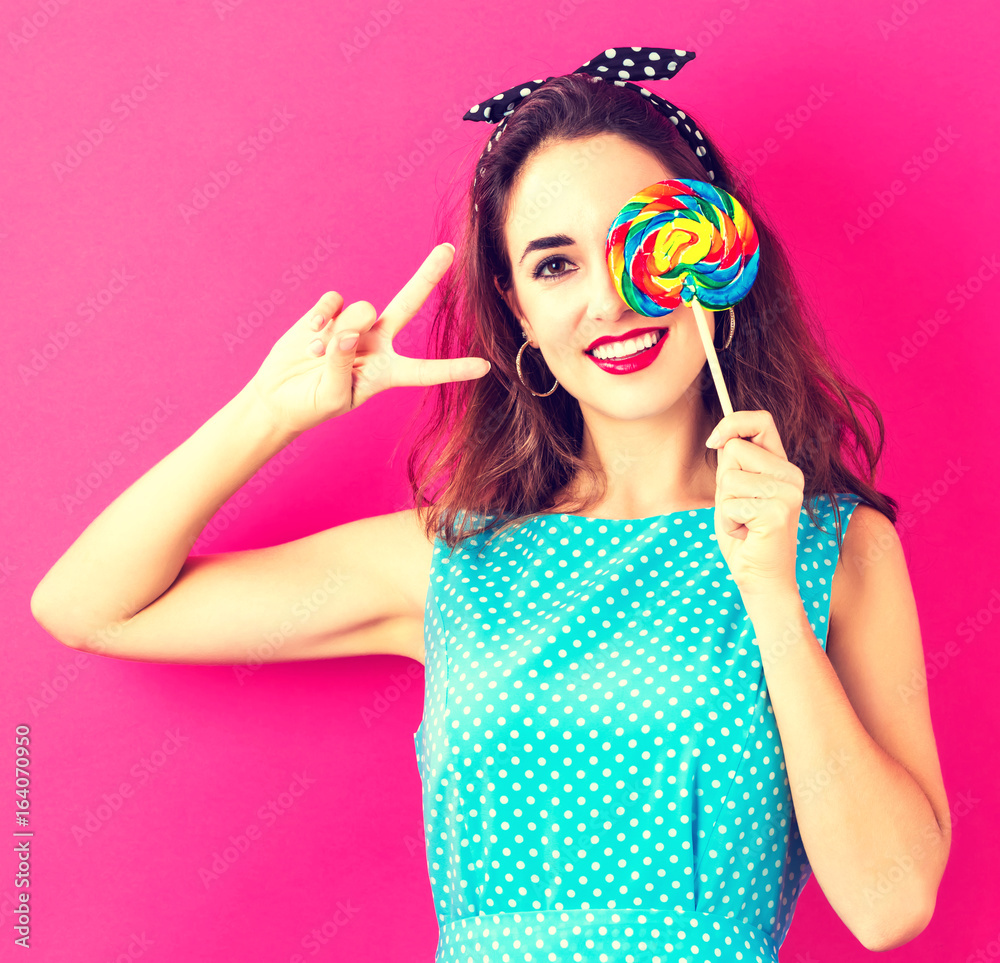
{"points": [[840, 107]]}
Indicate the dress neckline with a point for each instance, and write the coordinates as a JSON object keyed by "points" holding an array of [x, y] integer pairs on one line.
{"points": [[647, 518]]}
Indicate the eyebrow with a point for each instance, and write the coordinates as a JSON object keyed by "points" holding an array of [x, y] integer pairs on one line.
{"points": [[544, 243]]}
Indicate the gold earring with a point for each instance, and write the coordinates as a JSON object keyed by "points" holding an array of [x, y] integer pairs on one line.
{"points": [[537, 394], [732, 328]]}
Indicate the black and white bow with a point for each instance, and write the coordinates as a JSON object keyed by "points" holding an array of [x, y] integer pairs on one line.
{"points": [[620, 66]]}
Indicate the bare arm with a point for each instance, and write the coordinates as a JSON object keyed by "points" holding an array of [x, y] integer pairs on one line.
{"points": [[133, 551], [127, 588]]}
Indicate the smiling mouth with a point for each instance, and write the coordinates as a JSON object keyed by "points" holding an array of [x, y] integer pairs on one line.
{"points": [[628, 348]]}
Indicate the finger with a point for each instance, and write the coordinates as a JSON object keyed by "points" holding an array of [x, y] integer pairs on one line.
{"points": [[354, 320], [422, 372], [758, 514], [746, 484], [745, 454], [754, 426], [413, 294], [737, 513], [320, 314]]}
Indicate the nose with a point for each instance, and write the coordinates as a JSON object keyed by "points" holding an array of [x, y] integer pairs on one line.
{"points": [[605, 305]]}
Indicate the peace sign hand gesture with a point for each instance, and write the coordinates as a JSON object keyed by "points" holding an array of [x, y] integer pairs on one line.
{"points": [[332, 360]]}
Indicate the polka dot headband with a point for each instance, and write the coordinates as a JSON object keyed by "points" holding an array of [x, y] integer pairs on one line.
{"points": [[618, 66]]}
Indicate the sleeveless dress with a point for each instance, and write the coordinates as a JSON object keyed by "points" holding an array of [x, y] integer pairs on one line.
{"points": [[602, 775]]}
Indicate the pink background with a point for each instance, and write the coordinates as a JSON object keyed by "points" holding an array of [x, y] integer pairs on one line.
{"points": [[902, 93]]}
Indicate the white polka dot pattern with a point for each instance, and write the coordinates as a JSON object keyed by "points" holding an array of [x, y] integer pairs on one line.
{"points": [[602, 774], [620, 66]]}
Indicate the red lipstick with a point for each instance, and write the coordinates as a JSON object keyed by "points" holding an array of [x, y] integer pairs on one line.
{"points": [[607, 338], [634, 362]]}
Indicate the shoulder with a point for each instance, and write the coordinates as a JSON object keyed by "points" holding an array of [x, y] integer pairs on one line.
{"points": [[412, 527], [868, 537], [409, 552], [872, 564], [863, 527], [411, 524]]}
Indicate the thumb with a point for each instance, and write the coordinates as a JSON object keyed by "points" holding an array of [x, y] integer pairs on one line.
{"points": [[340, 349], [345, 345], [356, 318]]}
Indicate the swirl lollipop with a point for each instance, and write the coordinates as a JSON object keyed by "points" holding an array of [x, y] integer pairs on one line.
{"points": [[683, 240]]}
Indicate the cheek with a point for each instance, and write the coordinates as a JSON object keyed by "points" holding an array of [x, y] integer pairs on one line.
{"points": [[564, 357]]}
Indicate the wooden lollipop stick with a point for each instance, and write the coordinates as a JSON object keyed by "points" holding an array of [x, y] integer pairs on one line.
{"points": [[713, 360]]}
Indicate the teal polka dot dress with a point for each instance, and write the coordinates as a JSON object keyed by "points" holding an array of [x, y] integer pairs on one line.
{"points": [[602, 774]]}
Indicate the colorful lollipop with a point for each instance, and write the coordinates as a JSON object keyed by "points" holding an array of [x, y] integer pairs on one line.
{"points": [[684, 240]]}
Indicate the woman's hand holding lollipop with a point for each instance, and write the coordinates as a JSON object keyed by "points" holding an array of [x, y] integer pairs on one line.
{"points": [[689, 240], [758, 502]]}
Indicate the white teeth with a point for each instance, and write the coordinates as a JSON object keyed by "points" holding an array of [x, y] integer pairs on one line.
{"points": [[622, 349]]}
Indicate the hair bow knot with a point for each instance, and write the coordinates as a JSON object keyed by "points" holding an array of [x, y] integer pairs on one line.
{"points": [[620, 66]]}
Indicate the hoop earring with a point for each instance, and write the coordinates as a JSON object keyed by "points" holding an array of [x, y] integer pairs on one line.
{"points": [[537, 394], [732, 328]]}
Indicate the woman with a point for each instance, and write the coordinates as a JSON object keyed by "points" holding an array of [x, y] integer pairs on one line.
{"points": [[651, 710]]}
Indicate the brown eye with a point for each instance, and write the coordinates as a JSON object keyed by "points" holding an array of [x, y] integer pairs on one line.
{"points": [[552, 260]]}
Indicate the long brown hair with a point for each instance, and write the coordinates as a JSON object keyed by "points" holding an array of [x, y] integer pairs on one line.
{"points": [[493, 448]]}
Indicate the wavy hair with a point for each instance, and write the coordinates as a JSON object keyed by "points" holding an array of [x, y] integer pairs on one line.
{"points": [[491, 448]]}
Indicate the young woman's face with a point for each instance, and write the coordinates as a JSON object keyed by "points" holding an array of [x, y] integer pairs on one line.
{"points": [[562, 206]]}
